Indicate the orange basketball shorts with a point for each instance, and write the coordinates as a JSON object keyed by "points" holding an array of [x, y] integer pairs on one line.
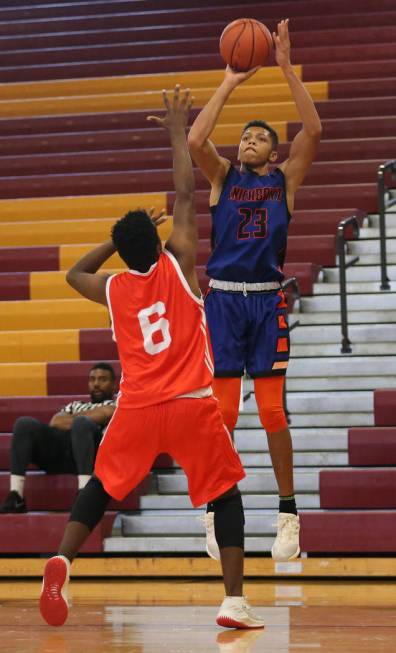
{"points": [[192, 431]]}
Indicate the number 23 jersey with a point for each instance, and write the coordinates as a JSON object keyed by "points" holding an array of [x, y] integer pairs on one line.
{"points": [[160, 329], [250, 225]]}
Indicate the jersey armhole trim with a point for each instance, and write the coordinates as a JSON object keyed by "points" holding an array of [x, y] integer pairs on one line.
{"points": [[108, 282], [277, 169], [182, 278]]}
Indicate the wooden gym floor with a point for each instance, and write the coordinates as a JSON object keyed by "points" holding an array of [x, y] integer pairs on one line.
{"points": [[178, 616]]}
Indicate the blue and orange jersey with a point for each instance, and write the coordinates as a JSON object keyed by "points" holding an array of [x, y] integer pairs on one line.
{"points": [[250, 225]]}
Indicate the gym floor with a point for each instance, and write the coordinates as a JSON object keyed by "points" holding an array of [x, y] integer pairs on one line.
{"points": [[178, 616]]}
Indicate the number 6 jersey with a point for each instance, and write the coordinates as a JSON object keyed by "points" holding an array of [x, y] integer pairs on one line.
{"points": [[250, 225], [160, 329]]}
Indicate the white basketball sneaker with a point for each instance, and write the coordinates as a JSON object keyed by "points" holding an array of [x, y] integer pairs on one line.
{"points": [[235, 612], [54, 605], [212, 548], [287, 544]]}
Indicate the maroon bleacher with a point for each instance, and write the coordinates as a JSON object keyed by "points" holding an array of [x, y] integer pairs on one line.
{"points": [[357, 488], [348, 531], [385, 407], [372, 446]]}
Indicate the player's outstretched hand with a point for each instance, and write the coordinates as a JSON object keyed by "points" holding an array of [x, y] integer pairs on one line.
{"points": [[157, 218], [282, 44], [177, 112], [235, 78]]}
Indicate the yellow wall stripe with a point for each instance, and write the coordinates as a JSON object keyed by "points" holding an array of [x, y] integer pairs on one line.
{"points": [[84, 206], [132, 83], [31, 346], [23, 379]]}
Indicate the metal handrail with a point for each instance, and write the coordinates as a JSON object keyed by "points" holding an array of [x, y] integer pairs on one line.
{"points": [[383, 205], [343, 265]]}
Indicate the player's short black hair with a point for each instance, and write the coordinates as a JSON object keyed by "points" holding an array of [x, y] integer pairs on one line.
{"points": [[104, 366], [264, 125], [136, 239]]}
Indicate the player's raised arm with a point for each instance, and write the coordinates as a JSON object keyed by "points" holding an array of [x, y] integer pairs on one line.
{"points": [[304, 146], [203, 151], [184, 237], [83, 278]]}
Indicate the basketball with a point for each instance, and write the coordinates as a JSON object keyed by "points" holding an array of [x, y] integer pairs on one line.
{"points": [[245, 43]]}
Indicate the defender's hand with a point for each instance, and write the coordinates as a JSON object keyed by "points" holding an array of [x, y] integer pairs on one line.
{"points": [[177, 112], [282, 44], [158, 219]]}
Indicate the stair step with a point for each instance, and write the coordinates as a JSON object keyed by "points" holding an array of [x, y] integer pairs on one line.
{"points": [[352, 288], [251, 420], [365, 302], [358, 333], [318, 402], [262, 481], [362, 247], [303, 440], [360, 273], [338, 366], [256, 522], [363, 317], [250, 501], [358, 349], [346, 383], [167, 544]]}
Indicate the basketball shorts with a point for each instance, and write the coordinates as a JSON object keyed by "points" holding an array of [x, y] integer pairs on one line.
{"points": [[192, 431], [248, 332]]}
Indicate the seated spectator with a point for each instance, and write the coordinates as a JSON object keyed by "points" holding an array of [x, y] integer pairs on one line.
{"points": [[68, 444]]}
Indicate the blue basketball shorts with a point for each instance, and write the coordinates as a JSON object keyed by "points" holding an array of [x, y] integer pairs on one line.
{"points": [[248, 332]]}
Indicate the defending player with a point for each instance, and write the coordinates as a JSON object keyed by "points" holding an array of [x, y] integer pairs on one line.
{"points": [[165, 402], [245, 306]]}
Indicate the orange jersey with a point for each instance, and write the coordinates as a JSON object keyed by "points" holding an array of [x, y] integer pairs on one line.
{"points": [[160, 329]]}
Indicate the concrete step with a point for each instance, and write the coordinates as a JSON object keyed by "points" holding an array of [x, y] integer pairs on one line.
{"points": [[250, 501], [373, 232], [317, 418], [318, 402], [358, 333], [332, 317], [260, 522], [302, 459], [356, 287], [303, 440], [358, 349], [365, 302], [371, 259], [359, 273], [259, 481], [338, 366], [361, 247], [390, 220], [346, 383], [169, 544]]}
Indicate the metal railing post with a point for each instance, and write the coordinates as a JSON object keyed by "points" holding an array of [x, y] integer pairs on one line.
{"points": [[345, 343], [383, 205]]}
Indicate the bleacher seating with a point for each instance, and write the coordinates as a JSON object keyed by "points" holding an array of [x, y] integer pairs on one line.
{"points": [[79, 80]]}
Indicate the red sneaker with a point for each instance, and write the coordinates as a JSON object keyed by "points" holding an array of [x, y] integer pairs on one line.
{"points": [[54, 607]]}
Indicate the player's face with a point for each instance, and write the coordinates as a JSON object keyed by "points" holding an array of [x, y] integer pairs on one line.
{"points": [[100, 385], [255, 148]]}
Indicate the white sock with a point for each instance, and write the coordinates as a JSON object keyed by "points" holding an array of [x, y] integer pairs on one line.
{"points": [[17, 484], [82, 480]]}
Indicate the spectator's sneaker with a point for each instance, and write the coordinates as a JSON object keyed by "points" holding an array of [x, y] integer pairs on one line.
{"points": [[287, 545], [54, 607], [212, 548], [13, 503], [235, 612]]}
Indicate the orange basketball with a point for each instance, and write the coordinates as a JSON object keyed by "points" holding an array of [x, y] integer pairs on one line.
{"points": [[245, 43]]}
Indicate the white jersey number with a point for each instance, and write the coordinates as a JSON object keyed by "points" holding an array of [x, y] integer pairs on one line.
{"points": [[150, 328]]}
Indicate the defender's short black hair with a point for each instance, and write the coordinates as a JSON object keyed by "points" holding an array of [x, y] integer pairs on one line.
{"points": [[104, 366], [264, 125], [136, 239]]}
